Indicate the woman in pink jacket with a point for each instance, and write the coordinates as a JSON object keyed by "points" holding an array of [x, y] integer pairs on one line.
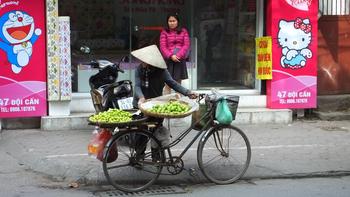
{"points": [[174, 46]]}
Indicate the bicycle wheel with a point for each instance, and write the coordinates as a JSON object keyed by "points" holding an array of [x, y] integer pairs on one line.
{"points": [[223, 154], [137, 165]]}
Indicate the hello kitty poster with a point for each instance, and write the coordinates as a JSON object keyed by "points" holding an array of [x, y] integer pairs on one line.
{"points": [[292, 24], [22, 58], [294, 37]]}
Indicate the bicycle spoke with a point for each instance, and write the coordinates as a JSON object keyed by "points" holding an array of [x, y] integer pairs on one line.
{"points": [[212, 145], [236, 160], [124, 153], [228, 143], [231, 158], [212, 160], [117, 166], [149, 170], [133, 169]]}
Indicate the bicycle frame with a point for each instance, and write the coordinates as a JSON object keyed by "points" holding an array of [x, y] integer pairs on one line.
{"points": [[184, 133], [146, 159], [178, 139]]}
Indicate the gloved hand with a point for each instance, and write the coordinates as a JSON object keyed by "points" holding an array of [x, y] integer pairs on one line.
{"points": [[192, 95], [141, 100]]}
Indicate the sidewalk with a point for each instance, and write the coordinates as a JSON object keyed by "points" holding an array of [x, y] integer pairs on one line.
{"points": [[304, 148]]}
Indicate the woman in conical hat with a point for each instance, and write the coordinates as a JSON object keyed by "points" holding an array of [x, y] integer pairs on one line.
{"points": [[152, 74], [150, 78]]}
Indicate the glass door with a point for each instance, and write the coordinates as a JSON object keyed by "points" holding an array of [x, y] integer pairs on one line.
{"points": [[222, 37], [148, 19], [225, 32], [103, 26]]}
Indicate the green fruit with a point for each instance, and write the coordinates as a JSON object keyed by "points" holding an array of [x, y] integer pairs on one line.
{"points": [[171, 108], [111, 116]]}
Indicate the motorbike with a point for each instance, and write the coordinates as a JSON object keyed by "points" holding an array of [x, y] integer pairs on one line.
{"points": [[106, 92]]}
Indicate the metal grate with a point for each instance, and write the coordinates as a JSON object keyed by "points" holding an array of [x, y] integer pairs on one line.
{"points": [[334, 7], [153, 190]]}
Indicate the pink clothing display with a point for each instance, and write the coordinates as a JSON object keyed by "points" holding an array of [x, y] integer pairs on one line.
{"points": [[172, 43]]}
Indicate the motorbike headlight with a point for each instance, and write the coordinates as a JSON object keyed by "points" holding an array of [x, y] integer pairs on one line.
{"points": [[128, 87], [116, 90]]}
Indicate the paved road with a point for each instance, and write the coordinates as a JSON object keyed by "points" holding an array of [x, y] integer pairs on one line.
{"points": [[301, 149], [17, 180], [310, 187]]}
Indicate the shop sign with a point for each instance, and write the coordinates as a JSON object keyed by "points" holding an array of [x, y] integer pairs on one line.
{"points": [[292, 24], [263, 57], [22, 58], [155, 7]]}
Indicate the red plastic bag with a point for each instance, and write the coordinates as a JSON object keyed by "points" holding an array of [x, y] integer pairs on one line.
{"points": [[97, 143]]}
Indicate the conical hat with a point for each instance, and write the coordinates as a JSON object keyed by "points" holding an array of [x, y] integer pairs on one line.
{"points": [[150, 55]]}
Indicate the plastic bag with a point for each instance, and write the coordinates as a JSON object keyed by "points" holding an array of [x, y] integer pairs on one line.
{"points": [[223, 114], [98, 141], [232, 102]]}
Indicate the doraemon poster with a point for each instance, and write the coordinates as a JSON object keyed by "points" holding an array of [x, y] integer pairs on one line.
{"points": [[22, 58], [293, 28]]}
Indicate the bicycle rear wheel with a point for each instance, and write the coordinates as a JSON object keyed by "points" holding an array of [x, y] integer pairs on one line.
{"points": [[224, 154], [137, 165]]}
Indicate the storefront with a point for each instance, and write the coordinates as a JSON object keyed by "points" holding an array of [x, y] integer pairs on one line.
{"points": [[222, 43], [222, 37]]}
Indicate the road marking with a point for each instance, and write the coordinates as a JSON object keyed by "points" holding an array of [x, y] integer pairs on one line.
{"points": [[67, 155], [289, 146], [262, 147]]}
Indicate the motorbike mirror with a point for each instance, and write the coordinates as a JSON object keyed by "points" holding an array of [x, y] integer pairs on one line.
{"points": [[121, 70], [85, 49], [125, 59]]}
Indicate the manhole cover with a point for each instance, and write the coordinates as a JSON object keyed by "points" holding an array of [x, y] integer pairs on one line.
{"points": [[153, 190]]}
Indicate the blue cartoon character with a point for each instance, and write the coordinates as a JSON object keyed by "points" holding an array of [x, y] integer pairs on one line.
{"points": [[294, 37], [17, 36]]}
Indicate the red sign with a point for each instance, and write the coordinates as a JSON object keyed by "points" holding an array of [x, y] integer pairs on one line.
{"points": [[292, 24], [22, 58]]}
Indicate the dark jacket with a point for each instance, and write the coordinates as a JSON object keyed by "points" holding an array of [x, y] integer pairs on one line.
{"points": [[156, 79]]}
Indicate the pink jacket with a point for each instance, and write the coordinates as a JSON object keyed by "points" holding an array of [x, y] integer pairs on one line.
{"points": [[171, 40]]}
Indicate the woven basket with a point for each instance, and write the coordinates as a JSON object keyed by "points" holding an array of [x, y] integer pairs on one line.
{"points": [[146, 106], [118, 124], [136, 120]]}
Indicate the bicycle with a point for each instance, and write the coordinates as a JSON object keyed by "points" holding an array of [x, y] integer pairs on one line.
{"points": [[223, 152]]}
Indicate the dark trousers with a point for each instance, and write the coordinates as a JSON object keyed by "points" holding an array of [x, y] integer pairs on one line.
{"points": [[141, 140]]}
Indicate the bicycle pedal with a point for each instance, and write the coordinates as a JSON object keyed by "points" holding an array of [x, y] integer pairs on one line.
{"points": [[192, 172]]}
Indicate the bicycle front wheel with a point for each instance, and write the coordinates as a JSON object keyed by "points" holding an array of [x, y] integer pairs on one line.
{"points": [[224, 154], [137, 165]]}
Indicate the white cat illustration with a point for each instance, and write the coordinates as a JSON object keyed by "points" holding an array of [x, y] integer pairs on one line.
{"points": [[294, 37]]}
